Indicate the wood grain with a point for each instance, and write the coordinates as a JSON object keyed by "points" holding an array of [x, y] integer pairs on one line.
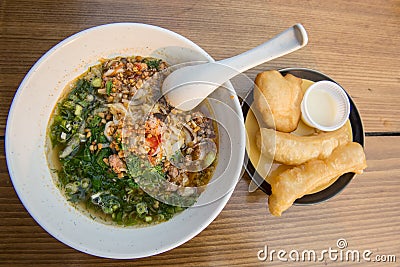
{"points": [[366, 214], [357, 43]]}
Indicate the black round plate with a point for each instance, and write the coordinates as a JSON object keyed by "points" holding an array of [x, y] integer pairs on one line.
{"points": [[358, 136]]}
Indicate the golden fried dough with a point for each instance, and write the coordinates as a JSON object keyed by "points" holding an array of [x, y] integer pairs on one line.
{"points": [[291, 149], [298, 181], [280, 168], [283, 95]]}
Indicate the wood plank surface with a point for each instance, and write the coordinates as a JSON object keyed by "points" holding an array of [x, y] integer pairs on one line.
{"points": [[354, 42], [357, 43], [366, 214]]}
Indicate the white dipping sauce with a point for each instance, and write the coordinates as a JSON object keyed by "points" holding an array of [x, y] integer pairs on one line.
{"points": [[322, 108], [325, 106]]}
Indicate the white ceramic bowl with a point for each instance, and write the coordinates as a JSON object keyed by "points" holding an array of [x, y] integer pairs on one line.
{"points": [[26, 133]]}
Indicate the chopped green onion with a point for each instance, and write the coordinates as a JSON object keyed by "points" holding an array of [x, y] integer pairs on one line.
{"points": [[73, 98], [141, 208], [85, 183], [83, 103], [96, 82], [78, 110], [90, 98], [69, 104], [108, 87], [71, 188]]}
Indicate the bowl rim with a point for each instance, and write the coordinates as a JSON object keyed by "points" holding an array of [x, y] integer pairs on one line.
{"points": [[358, 136]]}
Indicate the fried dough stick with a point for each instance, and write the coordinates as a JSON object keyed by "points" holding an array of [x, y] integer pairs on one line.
{"points": [[291, 149], [278, 99], [298, 181]]}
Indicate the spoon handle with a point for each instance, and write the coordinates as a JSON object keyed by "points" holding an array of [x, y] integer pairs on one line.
{"points": [[284, 43], [185, 88]]}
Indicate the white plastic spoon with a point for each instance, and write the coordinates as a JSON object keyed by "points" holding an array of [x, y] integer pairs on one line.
{"points": [[188, 86]]}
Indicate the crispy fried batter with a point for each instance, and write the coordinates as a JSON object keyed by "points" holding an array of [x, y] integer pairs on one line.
{"points": [[283, 95], [298, 181], [292, 149]]}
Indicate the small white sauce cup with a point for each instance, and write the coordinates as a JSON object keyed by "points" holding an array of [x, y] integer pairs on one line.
{"points": [[341, 105]]}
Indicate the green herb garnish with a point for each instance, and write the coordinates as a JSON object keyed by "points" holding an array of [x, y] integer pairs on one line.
{"points": [[108, 87]]}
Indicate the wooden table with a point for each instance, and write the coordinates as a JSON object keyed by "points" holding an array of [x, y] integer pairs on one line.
{"points": [[357, 43]]}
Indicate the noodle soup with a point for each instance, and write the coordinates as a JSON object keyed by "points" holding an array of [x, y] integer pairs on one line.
{"points": [[112, 129]]}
